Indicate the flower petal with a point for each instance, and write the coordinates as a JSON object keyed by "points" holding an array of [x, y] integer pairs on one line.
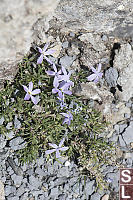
{"points": [[25, 88], [93, 69], [30, 86], [49, 61], [57, 154], [27, 96], [61, 142], [54, 67], [36, 91], [40, 59], [34, 99], [53, 145], [50, 73], [54, 90], [91, 77], [64, 70], [56, 82], [40, 50], [50, 151], [68, 92], [45, 47], [96, 80], [63, 148]]}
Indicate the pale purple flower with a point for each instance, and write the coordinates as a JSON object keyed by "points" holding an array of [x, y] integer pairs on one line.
{"points": [[57, 148], [66, 76], [68, 117], [30, 93], [61, 100], [60, 87], [97, 74], [44, 54], [55, 72]]}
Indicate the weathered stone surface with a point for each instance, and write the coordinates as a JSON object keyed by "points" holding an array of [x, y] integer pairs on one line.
{"points": [[123, 62], [99, 16], [21, 22], [2, 193]]}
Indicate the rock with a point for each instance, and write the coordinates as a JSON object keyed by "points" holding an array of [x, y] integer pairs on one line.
{"points": [[17, 143], [95, 196], [128, 134], [94, 39], [2, 141], [67, 163], [40, 172], [10, 135], [111, 76], [122, 127], [66, 61], [17, 179], [17, 123], [9, 126], [2, 193], [89, 188], [63, 171], [90, 90], [9, 190], [54, 192], [123, 63], [34, 181], [65, 45], [2, 120], [33, 19], [115, 178], [20, 190], [17, 170], [94, 16], [60, 181], [121, 142], [105, 197]]}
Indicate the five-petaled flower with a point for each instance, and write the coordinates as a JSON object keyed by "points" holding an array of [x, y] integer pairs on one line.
{"points": [[66, 76], [60, 87], [57, 148], [68, 117], [54, 73], [97, 74], [30, 93], [44, 54]]}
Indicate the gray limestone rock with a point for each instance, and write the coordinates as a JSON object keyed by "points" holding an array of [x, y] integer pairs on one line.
{"points": [[128, 134], [17, 143], [2, 192], [34, 181], [66, 61], [17, 123], [9, 190], [89, 187], [54, 192], [17, 179], [95, 196], [95, 16], [123, 62], [115, 178], [17, 35], [2, 141], [111, 76]]}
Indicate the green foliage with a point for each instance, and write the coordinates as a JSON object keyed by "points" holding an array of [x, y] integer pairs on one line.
{"points": [[42, 123]]}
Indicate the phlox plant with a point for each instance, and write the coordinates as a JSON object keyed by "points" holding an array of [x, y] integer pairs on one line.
{"points": [[53, 120]]}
